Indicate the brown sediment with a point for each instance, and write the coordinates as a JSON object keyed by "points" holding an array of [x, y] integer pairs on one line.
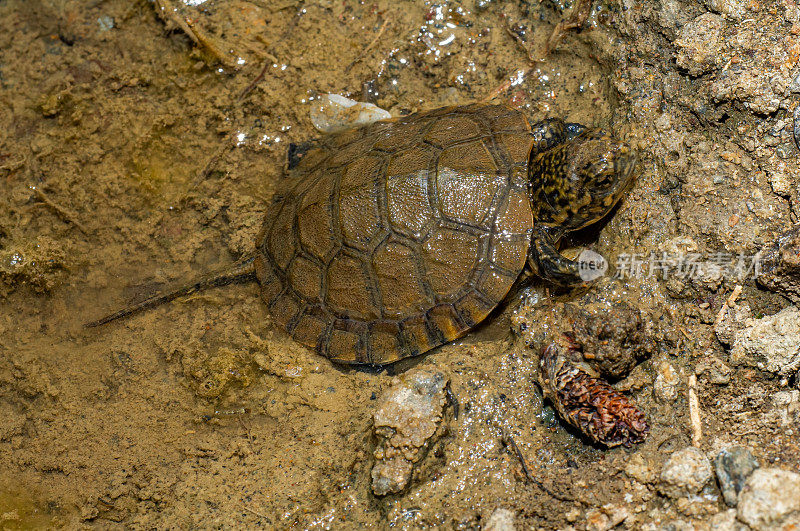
{"points": [[118, 122]]}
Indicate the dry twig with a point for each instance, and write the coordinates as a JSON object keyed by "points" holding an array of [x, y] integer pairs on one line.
{"points": [[730, 303], [694, 411]]}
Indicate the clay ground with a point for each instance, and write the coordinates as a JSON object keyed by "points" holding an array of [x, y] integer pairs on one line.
{"points": [[136, 152]]}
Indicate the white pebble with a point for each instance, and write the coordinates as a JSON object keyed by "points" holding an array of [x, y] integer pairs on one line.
{"points": [[332, 113], [770, 499]]}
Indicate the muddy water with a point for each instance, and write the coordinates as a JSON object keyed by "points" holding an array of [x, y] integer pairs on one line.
{"points": [[141, 150]]}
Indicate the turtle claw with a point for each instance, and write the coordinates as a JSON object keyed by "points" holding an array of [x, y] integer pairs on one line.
{"points": [[548, 263], [589, 404]]}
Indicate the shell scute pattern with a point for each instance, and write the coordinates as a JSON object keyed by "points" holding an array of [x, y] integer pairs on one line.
{"points": [[400, 236]]}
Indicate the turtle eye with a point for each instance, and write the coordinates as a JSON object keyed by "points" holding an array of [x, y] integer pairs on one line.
{"points": [[603, 181]]}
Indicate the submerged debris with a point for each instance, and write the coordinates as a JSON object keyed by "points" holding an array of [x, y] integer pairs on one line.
{"points": [[333, 113], [407, 422]]}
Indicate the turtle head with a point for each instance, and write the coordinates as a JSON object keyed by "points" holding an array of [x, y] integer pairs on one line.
{"points": [[580, 180]]}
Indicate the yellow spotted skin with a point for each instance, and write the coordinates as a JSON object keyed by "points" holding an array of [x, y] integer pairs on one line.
{"points": [[577, 182]]}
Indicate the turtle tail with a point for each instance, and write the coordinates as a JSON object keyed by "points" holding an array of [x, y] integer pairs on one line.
{"points": [[241, 271]]}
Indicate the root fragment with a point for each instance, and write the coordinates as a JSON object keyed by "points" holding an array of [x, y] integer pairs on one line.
{"points": [[369, 47], [694, 412]]}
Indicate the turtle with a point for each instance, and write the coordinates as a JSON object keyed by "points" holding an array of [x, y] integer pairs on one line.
{"points": [[386, 241]]}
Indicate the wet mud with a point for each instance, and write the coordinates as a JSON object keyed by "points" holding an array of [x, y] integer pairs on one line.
{"points": [[142, 143]]}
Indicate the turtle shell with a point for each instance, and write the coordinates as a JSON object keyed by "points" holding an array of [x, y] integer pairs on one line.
{"points": [[389, 240]]}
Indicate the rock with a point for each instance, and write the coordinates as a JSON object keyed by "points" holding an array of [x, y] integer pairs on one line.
{"points": [[686, 472], [733, 466], [606, 517], [734, 9], [780, 265], [787, 407], [726, 521], [715, 370], [641, 469], [782, 175], [770, 500], [761, 77], [672, 15], [772, 343], [333, 113], [699, 44], [501, 520], [665, 388], [407, 421], [732, 320]]}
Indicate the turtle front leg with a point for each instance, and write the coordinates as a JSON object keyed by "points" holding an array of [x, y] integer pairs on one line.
{"points": [[551, 265]]}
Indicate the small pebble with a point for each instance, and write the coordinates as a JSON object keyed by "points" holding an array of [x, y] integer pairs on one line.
{"points": [[665, 387], [332, 113], [733, 466], [105, 22], [606, 517], [501, 520], [686, 472]]}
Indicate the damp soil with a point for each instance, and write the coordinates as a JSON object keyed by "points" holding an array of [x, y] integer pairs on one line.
{"points": [[142, 143]]}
